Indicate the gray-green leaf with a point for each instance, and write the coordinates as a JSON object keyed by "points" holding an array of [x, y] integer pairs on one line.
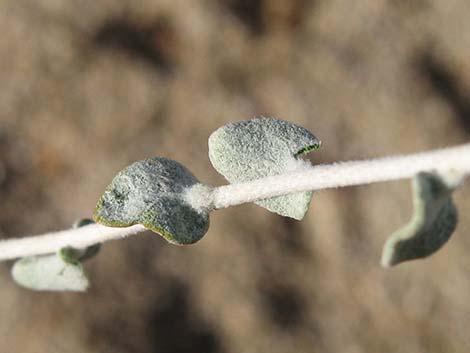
{"points": [[50, 272], [152, 192], [72, 254], [261, 147], [433, 222], [56, 272]]}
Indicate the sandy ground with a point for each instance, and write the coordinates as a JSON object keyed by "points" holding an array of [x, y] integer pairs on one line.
{"points": [[89, 87]]}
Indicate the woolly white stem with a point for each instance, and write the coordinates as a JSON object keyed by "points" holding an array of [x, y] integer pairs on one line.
{"points": [[78, 238], [345, 174], [318, 177]]}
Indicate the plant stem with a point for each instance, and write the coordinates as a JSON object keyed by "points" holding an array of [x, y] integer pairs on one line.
{"points": [[78, 238], [345, 174], [318, 177]]}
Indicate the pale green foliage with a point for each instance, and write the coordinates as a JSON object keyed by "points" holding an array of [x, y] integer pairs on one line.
{"points": [[71, 254], [51, 273], [56, 272], [256, 148], [433, 222], [165, 197], [152, 192]]}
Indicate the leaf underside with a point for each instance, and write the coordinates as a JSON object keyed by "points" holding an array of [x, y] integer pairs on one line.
{"points": [[261, 147], [62, 271], [433, 222], [50, 273]]}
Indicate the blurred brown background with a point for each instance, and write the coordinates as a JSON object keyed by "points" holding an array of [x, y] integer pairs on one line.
{"points": [[87, 87]]}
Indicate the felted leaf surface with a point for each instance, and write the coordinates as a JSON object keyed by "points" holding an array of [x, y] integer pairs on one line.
{"points": [[261, 147], [56, 272], [151, 192], [433, 222], [50, 272]]}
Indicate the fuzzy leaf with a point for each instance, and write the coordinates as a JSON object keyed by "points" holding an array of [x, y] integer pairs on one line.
{"points": [[83, 222], [81, 255], [72, 255], [50, 272], [153, 192], [433, 222], [56, 272], [261, 147]]}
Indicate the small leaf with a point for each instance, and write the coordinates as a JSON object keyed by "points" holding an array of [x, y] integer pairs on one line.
{"points": [[261, 147], [153, 192], [72, 255], [433, 222], [83, 222], [81, 255], [56, 272], [89, 252], [50, 272], [69, 255]]}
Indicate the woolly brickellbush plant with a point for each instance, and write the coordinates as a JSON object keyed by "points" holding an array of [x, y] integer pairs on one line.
{"points": [[261, 159]]}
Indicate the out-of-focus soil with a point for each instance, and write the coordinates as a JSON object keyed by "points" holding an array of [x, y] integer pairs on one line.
{"points": [[89, 87]]}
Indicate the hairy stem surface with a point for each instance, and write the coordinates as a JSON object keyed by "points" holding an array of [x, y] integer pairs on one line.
{"points": [[318, 177], [346, 174]]}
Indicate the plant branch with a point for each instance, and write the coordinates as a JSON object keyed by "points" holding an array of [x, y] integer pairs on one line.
{"points": [[345, 174], [315, 178], [78, 238]]}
